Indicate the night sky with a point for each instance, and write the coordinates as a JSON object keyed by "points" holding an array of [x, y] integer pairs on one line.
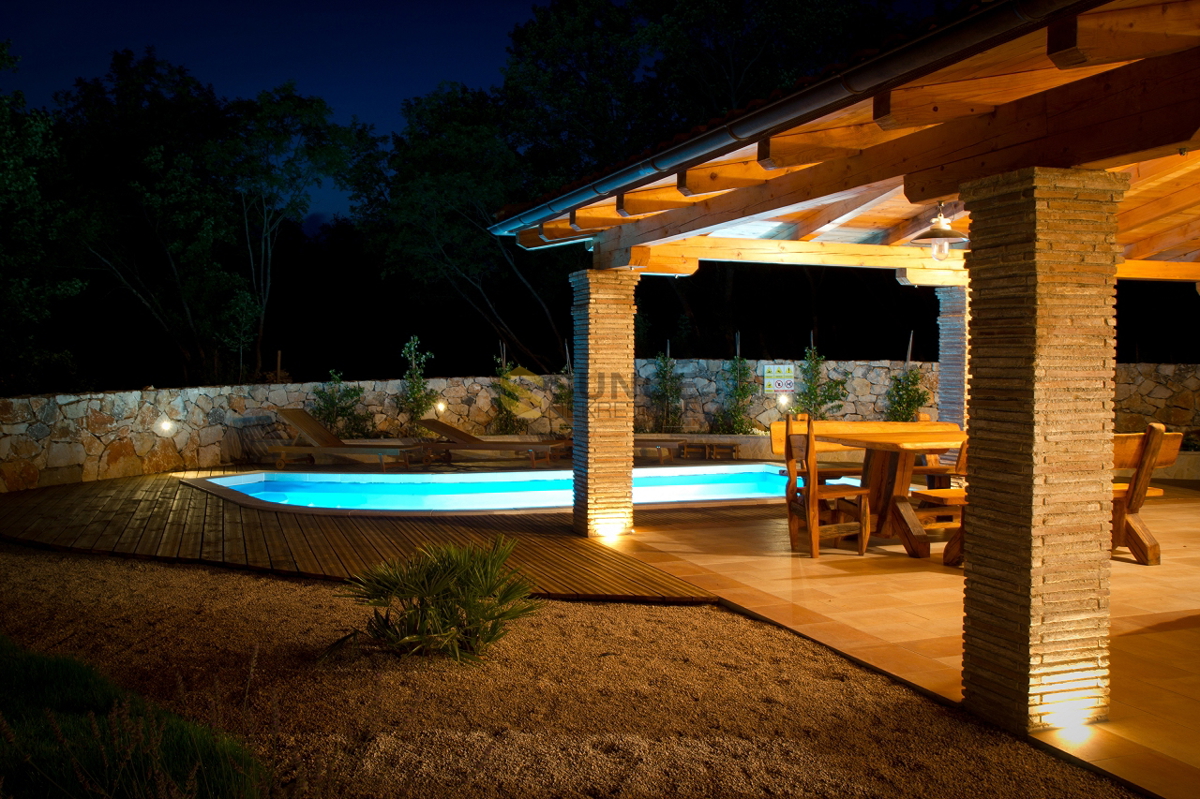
{"points": [[363, 58]]}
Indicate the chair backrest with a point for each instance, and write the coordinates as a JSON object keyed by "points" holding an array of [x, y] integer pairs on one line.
{"points": [[1144, 452], [829, 426], [317, 434], [448, 431]]}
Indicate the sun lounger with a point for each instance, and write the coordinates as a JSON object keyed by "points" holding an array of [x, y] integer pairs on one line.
{"points": [[459, 439], [323, 442]]}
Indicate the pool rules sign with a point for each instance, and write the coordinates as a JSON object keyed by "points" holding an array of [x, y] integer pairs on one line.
{"points": [[779, 378]]}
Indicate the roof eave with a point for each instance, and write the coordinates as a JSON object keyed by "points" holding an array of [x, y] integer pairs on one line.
{"points": [[988, 27]]}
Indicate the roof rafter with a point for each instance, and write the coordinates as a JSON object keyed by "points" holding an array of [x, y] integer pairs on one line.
{"points": [[1137, 111], [1105, 37]]}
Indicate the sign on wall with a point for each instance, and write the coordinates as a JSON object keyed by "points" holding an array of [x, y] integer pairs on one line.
{"points": [[779, 378]]}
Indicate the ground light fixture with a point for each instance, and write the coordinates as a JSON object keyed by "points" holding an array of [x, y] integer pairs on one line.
{"points": [[940, 236]]}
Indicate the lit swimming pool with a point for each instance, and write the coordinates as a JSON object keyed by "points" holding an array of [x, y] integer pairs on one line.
{"points": [[496, 492]]}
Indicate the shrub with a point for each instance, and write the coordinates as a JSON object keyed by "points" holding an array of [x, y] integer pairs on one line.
{"points": [[508, 397], [448, 599], [738, 390], [335, 405], [417, 398], [817, 394], [1191, 441], [666, 396], [905, 396], [65, 731]]}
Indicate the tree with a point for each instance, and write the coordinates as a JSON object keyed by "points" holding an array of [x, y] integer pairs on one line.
{"points": [[32, 275], [282, 145], [574, 90], [143, 200], [430, 203]]}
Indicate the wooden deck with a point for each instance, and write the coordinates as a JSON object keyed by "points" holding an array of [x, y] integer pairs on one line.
{"points": [[157, 517]]}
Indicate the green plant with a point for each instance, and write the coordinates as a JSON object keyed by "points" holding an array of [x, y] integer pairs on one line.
{"points": [[905, 396], [666, 396], [817, 394], [65, 731], [738, 389], [508, 397], [418, 397], [335, 405], [448, 599]]}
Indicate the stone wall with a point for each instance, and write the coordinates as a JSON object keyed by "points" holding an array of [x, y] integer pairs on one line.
{"points": [[703, 380], [71, 438], [68, 438], [1157, 392]]}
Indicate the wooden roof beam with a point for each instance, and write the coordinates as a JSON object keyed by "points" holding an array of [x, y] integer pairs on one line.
{"points": [[1125, 34], [909, 229], [898, 110], [721, 177], [1133, 218], [1146, 109], [814, 146], [833, 216], [651, 201]]}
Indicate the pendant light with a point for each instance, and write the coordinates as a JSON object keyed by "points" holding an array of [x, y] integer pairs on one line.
{"points": [[940, 236]]}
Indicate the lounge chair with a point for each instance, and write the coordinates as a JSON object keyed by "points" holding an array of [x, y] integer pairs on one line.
{"points": [[459, 439], [323, 442]]}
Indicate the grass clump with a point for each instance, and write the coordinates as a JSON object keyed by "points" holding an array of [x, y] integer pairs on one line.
{"points": [[445, 600], [65, 731]]}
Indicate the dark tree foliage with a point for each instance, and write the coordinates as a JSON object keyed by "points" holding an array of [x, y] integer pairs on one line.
{"points": [[429, 206], [35, 278], [154, 219]]}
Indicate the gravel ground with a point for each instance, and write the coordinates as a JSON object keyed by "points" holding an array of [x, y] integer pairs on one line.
{"points": [[581, 699]]}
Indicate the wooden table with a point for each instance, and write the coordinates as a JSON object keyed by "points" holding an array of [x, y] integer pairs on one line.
{"points": [[888, 471]]}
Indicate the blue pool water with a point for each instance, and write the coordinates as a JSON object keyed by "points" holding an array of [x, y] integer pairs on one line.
{"points": [[503, 490]]}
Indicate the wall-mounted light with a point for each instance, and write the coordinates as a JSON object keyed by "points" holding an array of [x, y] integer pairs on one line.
{"points": [[940, 236], [441, 406], [166, 426], [784, 400]]}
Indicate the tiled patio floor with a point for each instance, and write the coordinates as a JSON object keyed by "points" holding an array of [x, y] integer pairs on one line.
{"points": [[904, 616]]}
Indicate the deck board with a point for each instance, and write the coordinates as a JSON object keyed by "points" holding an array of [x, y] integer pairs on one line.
{"points": [[157, 517]]}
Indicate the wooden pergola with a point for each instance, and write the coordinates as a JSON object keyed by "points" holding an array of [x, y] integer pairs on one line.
{"points": [[1060, 136]]}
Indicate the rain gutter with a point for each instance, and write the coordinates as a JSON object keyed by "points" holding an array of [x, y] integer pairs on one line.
{"points": [[991, 25]]}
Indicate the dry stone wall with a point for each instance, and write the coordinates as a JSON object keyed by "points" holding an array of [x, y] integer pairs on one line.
{"points": [[1158, 392], [69, 438], [703, 381]]}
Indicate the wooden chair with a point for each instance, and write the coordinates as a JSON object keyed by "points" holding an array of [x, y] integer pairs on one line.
{"points": [[806, 497], [321, 441], [1142, 452], [460, 439], [943, 507]]}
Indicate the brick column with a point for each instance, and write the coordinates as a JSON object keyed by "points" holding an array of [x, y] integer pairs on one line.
{"points": [[952, 354], [1042, 272], [604, 394]]}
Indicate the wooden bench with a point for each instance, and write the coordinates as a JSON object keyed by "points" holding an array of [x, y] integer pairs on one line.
{"points": [[1142, 452]]}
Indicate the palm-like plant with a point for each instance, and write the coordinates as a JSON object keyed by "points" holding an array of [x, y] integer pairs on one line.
{"points": [[448, 599]]}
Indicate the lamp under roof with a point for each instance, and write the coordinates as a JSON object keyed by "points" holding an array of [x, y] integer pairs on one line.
{"points": [[940, 236]]}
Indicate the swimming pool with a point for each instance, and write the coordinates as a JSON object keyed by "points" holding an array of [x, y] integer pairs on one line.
{"points": [[492, 492]]}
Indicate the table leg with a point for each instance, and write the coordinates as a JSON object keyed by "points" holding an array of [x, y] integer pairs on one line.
{"points": [[901, 521]]}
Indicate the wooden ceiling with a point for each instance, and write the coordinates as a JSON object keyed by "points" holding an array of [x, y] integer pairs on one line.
{"points": [[1116, 88]]}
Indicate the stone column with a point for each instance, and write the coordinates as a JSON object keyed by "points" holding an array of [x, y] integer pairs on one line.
{"points": [[952, 354], [604, 394], [1042, 272]]}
